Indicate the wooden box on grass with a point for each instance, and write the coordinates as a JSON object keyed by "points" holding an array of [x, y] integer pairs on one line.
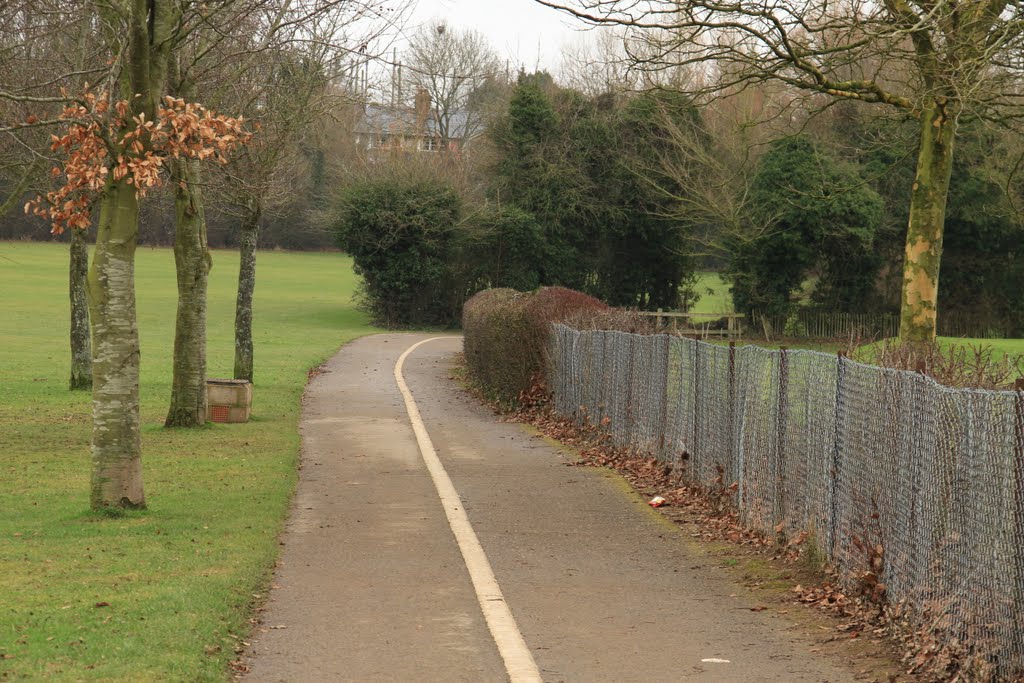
{"points": [[228, 400]]}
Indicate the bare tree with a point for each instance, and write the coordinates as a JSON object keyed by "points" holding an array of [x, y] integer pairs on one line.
{"points": [[935, 60], [451, 65], [597, 64], [43, 47], [240, 57], [711, 161], [290, 91]]}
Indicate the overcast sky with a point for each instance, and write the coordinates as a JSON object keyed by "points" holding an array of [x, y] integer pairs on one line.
{"points": [[523, 31]]}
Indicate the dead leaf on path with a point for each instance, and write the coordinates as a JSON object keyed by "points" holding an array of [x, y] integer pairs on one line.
{"points": [[759, 608], [279, 626]]}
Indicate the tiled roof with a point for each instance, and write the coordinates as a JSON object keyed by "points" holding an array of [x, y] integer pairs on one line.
{"points": [[378, 118]]}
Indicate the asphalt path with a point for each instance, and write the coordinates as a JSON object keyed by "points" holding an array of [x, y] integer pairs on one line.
{"points": [[376, 583]]}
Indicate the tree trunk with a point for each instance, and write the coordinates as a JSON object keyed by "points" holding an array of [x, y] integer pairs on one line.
{"points": [[116, 480], [81, 353], [246, 285], [927, 217], [116, 453], [192, 262]]}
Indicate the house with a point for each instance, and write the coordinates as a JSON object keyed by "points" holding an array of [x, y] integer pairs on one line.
{"points": [[404, 129]]}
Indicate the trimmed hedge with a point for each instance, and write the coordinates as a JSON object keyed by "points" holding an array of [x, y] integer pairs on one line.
{"points": [[506, 334]]}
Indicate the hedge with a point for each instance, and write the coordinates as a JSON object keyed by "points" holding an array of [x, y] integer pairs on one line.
{"points": [[506, 335]]}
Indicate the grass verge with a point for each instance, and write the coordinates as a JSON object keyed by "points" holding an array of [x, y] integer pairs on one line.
{"points": [[162, 594]]}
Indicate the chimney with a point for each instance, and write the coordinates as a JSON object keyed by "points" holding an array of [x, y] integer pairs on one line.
{"points": [[422, 107]]}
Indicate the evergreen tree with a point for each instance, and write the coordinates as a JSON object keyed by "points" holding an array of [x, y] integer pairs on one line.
{"points": [[824, 218]]}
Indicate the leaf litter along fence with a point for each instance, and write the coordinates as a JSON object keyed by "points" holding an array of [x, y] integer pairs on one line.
{"points": [[899, 480]]}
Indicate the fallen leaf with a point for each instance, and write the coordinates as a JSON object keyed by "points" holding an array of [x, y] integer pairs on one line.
{"points": [[102, 604]]}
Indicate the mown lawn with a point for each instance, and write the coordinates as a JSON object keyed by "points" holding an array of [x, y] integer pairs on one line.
{"points": [[162, 594]]}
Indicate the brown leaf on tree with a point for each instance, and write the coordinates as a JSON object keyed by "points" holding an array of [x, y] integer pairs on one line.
{"points": [[93, 138]]}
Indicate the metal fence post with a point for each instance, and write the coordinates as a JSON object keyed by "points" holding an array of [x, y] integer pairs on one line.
{"points": [[921, 395], [625, 428], [836, 459], [732, 403], [663, 394], [1018, 501], [694, 458], [780, 436]]}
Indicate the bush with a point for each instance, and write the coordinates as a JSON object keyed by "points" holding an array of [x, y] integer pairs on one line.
{"points": [[401, 235], [506, 335], [501, 247], [961, 366]]}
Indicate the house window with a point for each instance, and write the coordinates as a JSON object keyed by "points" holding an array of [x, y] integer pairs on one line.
{"points": [[430, 144]]}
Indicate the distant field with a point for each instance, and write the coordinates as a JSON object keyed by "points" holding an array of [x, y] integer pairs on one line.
{"points": [[715, 298], [714, 294], [163, 594]]}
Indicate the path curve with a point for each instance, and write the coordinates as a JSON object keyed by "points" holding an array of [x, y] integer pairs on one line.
{"points": [[372, 586]]}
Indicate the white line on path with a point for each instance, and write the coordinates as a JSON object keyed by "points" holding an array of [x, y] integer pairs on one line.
{"points": [[518, 661]]}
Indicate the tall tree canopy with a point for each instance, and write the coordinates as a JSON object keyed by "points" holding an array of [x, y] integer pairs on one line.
{"points": [[588, 170], [821, 217], [937, 61]]}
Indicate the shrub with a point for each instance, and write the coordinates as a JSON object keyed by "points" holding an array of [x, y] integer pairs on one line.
{"points": [[506, 335], [962, 366], [502, 246], [400, 233]]}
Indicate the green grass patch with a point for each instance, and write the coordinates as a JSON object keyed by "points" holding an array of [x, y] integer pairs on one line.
{"points": [[1000, 347], [714, 294], [162, 594]]}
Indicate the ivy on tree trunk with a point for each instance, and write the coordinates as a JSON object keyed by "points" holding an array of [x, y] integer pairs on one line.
{"points": [[81, 353], [192, 263], [246, 286]]}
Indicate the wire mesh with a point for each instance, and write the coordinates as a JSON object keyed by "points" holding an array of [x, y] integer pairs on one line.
{"points": [[898, 480]]}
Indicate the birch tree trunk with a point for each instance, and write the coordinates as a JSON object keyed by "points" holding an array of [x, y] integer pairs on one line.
{"points": [[192, 261], [927, 216], [246, 285], [116, 453], [116, 480], [81, 353]]}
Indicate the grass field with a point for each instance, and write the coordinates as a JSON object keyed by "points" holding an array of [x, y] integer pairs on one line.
{"points": [[163, 594], [1005, 347], [715, 298], [714, 294]]}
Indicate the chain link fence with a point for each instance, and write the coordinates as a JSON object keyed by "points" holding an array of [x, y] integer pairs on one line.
{"points": [[897, 479]]}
